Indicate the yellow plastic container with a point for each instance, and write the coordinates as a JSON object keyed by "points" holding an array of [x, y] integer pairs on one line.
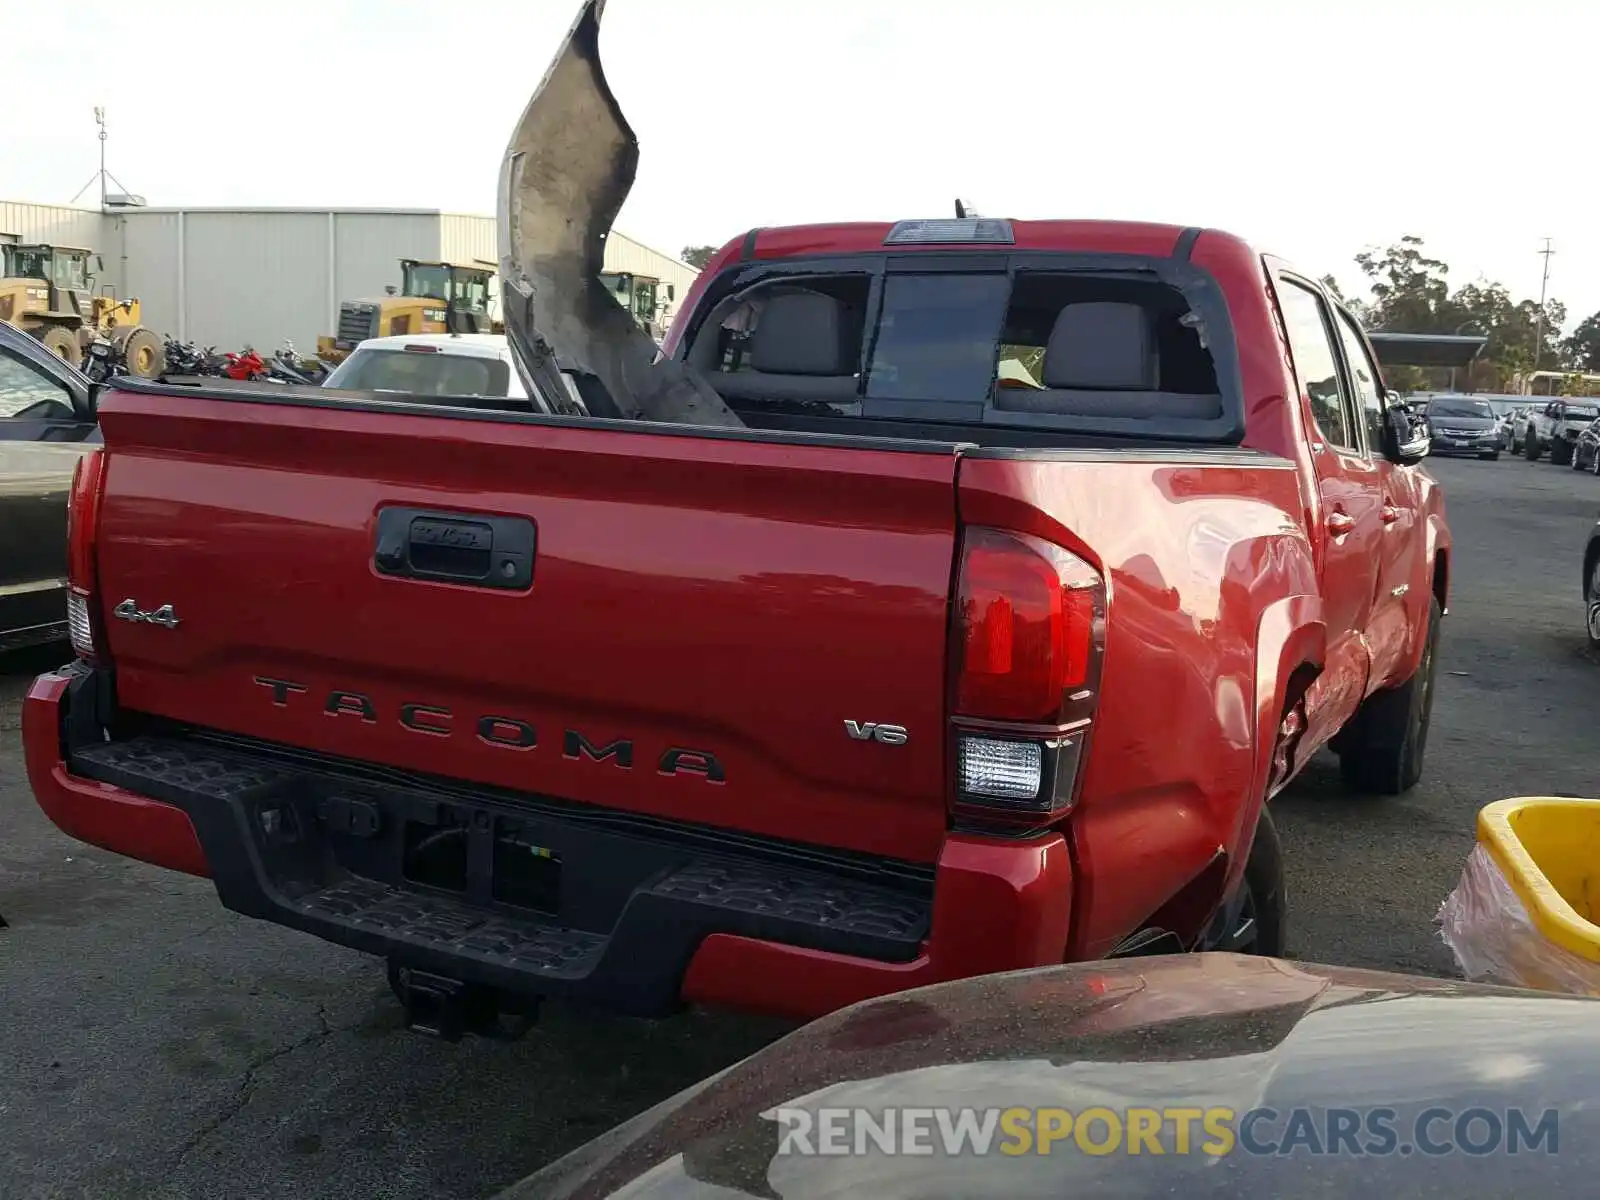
{"points": [[1548, 849]]}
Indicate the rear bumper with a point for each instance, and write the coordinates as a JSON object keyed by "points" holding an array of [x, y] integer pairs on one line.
{"points": [[647, 918]]}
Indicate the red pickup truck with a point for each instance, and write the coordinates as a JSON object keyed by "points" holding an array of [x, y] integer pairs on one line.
{"points": [[1036, 557]]}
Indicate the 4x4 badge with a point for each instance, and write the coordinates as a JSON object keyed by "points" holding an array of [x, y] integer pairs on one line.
{"points": [[128, 610]]}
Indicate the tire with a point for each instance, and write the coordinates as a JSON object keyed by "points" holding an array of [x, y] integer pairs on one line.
{"points": [[1382, 749], [1513, 445], [1591, 594], [1560, 452], [1530, 448], [1255, 918], [145, 355], [1594, 463], [62, 342]]}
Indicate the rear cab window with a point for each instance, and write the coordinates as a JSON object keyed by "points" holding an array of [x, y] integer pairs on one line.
{"points": [[1115, 344]]}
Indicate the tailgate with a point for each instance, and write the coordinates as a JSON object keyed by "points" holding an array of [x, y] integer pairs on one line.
{"points": [[707, 615]]}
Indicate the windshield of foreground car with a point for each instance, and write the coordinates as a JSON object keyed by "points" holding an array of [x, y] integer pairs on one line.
{"points": [[421, 373], [1461, 408]]}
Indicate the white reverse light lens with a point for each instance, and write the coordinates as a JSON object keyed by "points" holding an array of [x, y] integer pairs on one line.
{"points": [[1004, 770], [79, 627]]}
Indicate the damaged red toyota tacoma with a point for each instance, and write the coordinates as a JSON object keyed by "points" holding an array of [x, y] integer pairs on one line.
{"points": [[948, 597]]}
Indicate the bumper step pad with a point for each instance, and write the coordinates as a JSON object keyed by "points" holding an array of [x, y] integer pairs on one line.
{"points": [[659, 927]]}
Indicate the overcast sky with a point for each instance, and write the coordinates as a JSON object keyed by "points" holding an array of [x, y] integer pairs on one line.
{"points": [[1313, 127]]}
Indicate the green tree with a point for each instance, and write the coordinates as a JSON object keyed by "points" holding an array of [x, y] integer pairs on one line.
{"points": [[1409, 290], [698, 256], [1582, 346], [1411, 294]]}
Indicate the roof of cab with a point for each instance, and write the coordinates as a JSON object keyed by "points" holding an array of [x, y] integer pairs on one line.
{"points": [[474, 345], [862, 237]]}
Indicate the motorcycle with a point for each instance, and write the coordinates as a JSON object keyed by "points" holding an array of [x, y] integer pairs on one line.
{"points": [[246, 365], [103, 360], [186, 359], [310, 372]]}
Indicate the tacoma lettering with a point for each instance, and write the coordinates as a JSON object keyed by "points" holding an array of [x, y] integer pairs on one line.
{"points": [[575, 745], [501, 730], [507, 731]]}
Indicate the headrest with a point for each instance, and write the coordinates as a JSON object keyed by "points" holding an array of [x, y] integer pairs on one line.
{"points": [[801, 333], [1100, 345]]}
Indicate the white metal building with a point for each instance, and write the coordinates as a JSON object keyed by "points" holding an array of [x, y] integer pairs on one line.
{"points": [[228, 277]]}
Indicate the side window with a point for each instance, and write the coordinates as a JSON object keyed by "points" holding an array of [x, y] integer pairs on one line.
{"points": [[1369, 391], [23, 387], [1314, 361]]}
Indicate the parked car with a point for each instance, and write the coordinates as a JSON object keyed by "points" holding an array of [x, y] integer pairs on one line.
{"points": [[1521, 419], [431, 364], [1251, 1078], [1586, 451], [1505, 409], [46, 423], [837, 683], [1461, 425], [1555, 426], [1591, 587]]}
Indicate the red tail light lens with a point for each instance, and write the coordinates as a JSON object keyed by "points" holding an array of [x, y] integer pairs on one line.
{"points": [[1030, 618], [83, 518], [83, 523]]}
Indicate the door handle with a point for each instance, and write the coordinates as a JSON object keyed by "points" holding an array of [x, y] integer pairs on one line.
{"points": [[1340, 523], [1390, 513]]}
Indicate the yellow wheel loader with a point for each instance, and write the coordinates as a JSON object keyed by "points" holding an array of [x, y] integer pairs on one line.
{"points": [[433, 297], [47, 291]]}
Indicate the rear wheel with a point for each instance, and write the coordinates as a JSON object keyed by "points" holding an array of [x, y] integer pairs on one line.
{"points": [[1530, 447], [1560, 452], [1591, 593], [62, 342], [1255, 918], [1382, 748]]}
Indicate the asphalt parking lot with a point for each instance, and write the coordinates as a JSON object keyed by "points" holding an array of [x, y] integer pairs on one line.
{"points": [[153, 1045]]}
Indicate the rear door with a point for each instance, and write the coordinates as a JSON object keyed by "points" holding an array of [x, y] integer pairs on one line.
{"points": [[1350, 485]]}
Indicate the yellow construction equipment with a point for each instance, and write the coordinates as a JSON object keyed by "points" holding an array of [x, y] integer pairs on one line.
{"points": [[433, 297], [644, 296], [47, 291]]}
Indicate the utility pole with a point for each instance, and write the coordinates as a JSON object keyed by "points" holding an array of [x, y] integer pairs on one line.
{"points": [[1538, 325], [102, 175]]}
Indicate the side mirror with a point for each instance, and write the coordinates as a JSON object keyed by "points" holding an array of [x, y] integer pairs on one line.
{"points": [[1405, 440]]}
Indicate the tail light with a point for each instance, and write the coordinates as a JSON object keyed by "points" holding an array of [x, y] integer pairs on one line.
{"points": [[1029, 638], [83, 523]]}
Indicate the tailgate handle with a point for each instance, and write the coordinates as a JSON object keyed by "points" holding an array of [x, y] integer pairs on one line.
{"points": [[450, 547]]}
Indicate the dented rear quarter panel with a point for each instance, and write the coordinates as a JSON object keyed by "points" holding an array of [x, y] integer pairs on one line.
{"points": [[1200, 552]]}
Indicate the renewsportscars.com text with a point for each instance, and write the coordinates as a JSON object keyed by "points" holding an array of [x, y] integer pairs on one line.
{"points": [[1212, 1132]]}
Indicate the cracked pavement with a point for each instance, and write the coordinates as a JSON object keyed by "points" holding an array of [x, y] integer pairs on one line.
{"points": [[157, 1046]]}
